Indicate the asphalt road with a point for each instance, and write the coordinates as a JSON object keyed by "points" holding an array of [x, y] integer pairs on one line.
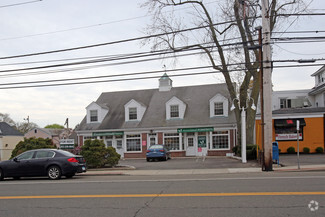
{"points": [[262, 194]]}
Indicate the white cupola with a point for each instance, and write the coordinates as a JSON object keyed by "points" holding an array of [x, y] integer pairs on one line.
{"points": [[165, 83]]}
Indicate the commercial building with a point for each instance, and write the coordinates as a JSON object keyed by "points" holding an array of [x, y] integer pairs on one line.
{"points": [[190, 121], [305, 106]]}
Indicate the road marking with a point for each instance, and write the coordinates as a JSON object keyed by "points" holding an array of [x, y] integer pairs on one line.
{"points": [[165, 195], [79, 180]]}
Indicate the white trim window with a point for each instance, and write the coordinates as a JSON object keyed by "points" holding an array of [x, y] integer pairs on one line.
{"points": [[93, 115], [174, 111], [90, 137], [133, 113], [133, 143], [134, 110], [220, 140], [171, 141], [218, 108]]}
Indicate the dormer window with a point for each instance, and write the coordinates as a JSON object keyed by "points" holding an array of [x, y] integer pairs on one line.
{"points": [[174, 111], [133, 115], [218, 108], [96, 112], [93, 115], [134, 110]]}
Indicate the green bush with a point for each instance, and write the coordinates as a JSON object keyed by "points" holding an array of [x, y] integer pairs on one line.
{"points": [[113, 157], [291, 150], [306, 150], [236, 149], [30, 144], [250, 151], [97, 155], [319, 150]]}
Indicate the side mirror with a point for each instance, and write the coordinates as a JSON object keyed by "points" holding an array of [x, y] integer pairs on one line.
{"points": [[16, 160]]}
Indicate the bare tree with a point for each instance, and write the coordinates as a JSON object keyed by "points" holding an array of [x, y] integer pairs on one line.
{"points": [[226, 31]]}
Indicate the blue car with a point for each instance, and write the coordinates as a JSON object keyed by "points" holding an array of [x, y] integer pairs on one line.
{"points": [[158, 152]]}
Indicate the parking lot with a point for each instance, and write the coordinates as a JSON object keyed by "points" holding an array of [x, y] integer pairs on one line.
{"points": [[218, 162]]}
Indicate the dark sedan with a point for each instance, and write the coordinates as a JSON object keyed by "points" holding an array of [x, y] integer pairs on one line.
{"points": [[43, 162], [157, 152]]}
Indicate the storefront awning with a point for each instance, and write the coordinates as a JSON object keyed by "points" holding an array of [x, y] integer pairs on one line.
{"points": [[289, 122], [118, 133], [194, 130]]}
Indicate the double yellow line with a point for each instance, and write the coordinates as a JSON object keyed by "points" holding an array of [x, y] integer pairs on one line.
{"points": [[165, 195]]}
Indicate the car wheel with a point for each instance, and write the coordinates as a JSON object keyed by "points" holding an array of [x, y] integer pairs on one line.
{"points": [[69, 176], [1, 175], [148, 159], [165, 158], [54, 172], [16, 177]]}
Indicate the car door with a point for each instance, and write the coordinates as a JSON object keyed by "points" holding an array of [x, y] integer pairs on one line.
{"points": [[40, 162], [22, 164]]}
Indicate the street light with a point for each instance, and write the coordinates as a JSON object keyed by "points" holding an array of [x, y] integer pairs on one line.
{"points": [[243, 124]]}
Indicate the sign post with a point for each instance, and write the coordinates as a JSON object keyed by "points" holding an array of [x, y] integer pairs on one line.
{"points": [[298, 125]]}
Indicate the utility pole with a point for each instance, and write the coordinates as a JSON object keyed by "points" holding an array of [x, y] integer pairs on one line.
{"points": [[267, 87]]}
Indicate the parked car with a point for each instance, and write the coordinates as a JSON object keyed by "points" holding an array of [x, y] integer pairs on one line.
{"points": [[43, 162], [158, 152]]}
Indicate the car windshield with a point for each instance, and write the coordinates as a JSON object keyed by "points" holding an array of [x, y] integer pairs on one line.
{"points": [[156, 147]]}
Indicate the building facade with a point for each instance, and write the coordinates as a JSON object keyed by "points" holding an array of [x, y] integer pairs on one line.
{"points": [[190, 121], [305, 106], [45, 133], [9, 138]]}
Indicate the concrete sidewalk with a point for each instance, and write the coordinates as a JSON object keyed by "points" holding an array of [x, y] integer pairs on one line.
{"points": [[199, 171]]}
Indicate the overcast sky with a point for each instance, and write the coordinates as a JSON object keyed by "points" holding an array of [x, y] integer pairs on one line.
{"points": [[48, 25]]}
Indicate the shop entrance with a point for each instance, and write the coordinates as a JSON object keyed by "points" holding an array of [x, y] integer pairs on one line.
{"points": [[190, 146], [115, 142]]}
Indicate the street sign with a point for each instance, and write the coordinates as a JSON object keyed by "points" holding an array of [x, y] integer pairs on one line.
{"points": [[67, 143]]}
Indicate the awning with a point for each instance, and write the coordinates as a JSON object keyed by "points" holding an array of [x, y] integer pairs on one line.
{"points": [[194, 130], [289, 122], [118, 133]]}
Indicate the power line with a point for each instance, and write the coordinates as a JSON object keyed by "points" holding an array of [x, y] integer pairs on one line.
{"points": [[22, 3], [89, 26], [23, 84], [121, 57]]}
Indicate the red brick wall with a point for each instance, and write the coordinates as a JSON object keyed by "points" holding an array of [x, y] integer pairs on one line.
{"points": [[178, 154]]}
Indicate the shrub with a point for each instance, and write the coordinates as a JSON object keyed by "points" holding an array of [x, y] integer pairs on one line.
{"points": [[94, 151], [113, 157], [319, 150], [97, 155], [291, 150], [251, 150], [30, 144], [306, 150], [236, 149]]}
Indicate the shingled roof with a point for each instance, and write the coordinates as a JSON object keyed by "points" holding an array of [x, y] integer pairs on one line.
{"points": [[195, 97], [7, 130]]}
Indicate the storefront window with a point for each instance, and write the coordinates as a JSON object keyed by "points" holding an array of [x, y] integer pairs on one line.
{"points": [[172, 141], [220, 140], [133, 142], [286, 129]]}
